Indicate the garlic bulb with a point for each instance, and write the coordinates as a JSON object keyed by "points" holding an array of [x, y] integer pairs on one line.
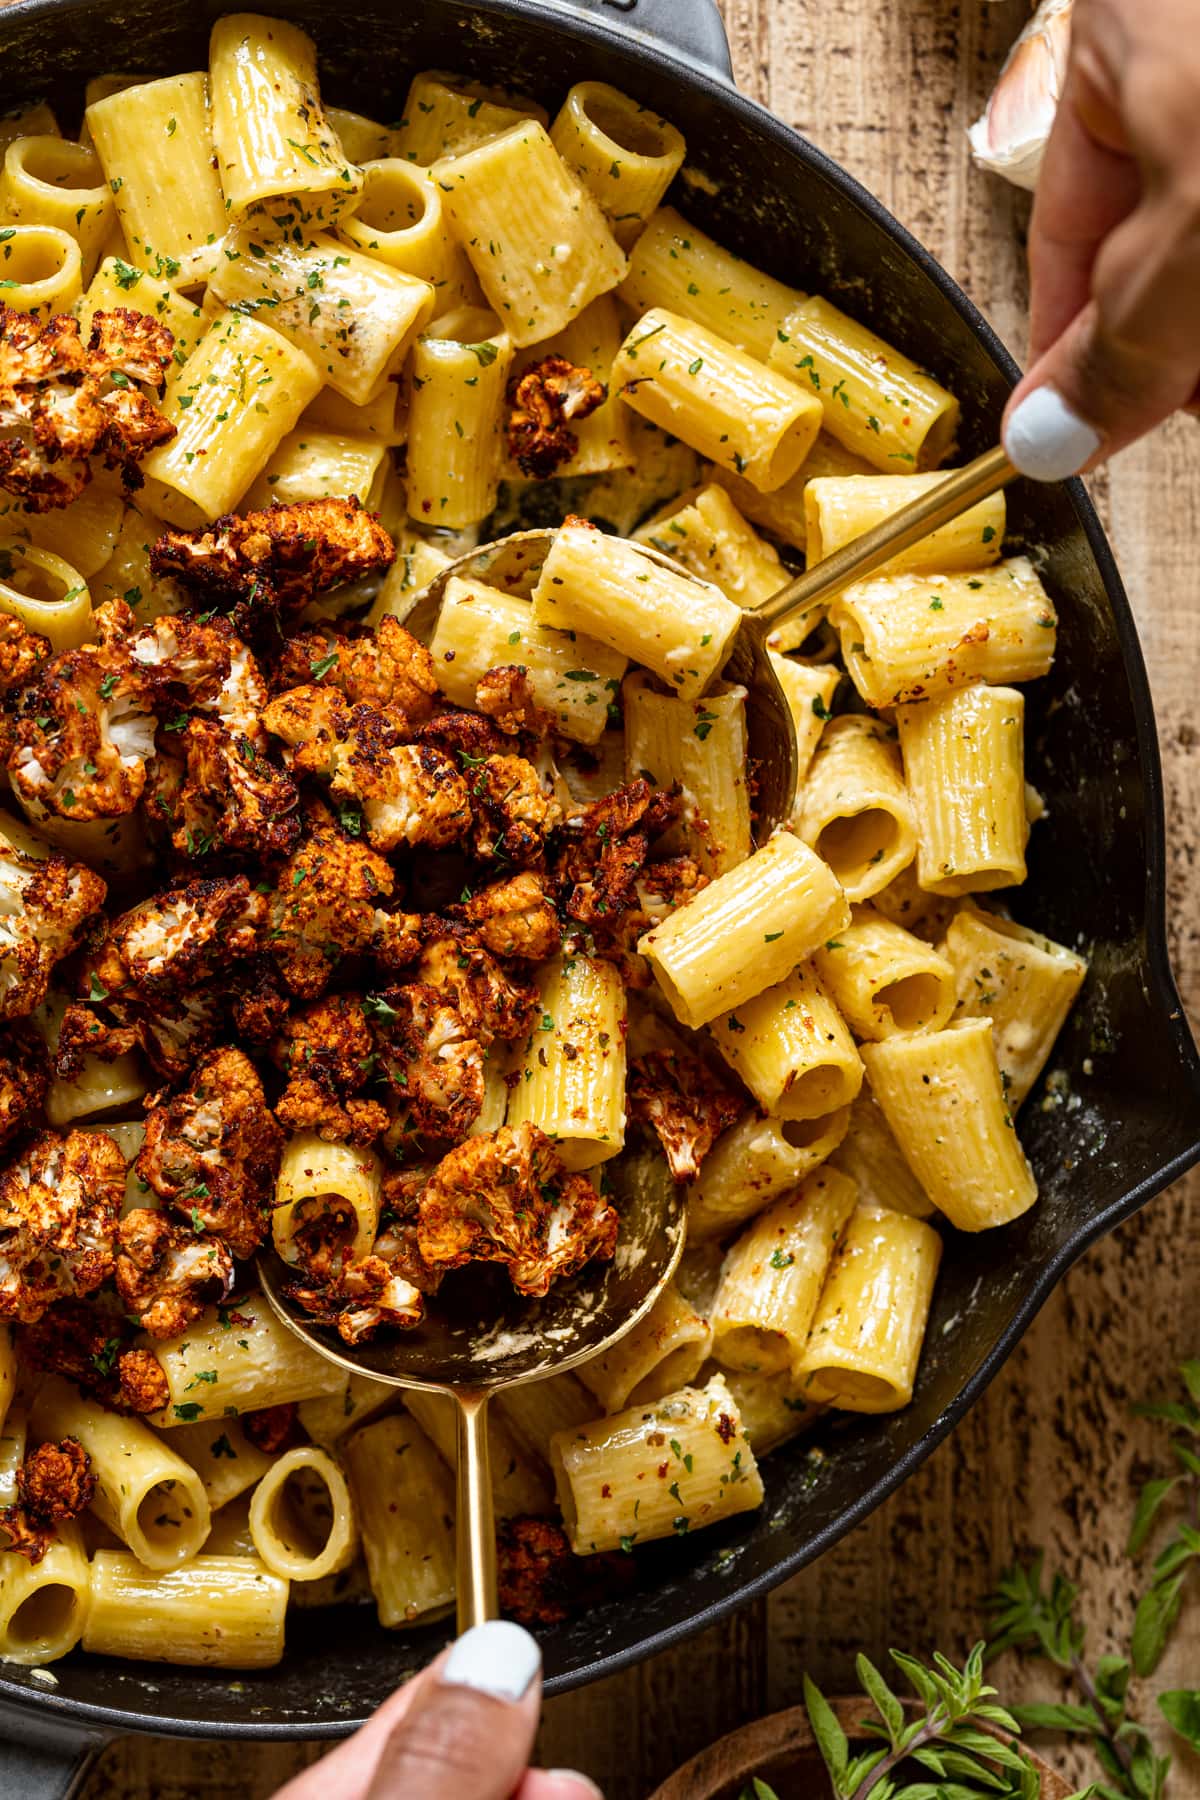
{"points": [[1010, 138]]}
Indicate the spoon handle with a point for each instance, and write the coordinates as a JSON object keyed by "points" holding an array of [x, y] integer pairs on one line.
{"points": [[962, 489], [475, 1524]]}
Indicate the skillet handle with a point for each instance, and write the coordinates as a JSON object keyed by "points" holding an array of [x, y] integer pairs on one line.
{"points": [[53, 1769], [689, 29]]}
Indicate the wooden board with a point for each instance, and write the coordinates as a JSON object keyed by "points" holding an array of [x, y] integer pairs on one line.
{"points": [[1050, 1455]]}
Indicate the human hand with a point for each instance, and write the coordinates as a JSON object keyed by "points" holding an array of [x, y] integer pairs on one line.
{"points": [[1114, 246], [462, 1729]]}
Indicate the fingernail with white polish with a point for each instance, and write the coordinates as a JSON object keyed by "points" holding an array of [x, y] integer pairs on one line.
{"points": [[497, 1658], [1046, 439], [584, 1783]]}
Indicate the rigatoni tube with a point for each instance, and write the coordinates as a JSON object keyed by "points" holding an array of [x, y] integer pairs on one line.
{"points": [[536, 238], [655, 1471], [746, 931], [700, 745], [220, 1612], [708, 535], [792, 1048], [942, 1095], [217, 1368], [459, 373], [635, 602], [877, 401], [774, 1273], [154, 140], [674, 264], [781, 512], [865, 1344], [405, 1498], [147, 1494], [570, 1075], [964, 762], [838, 509], [519, 1481], [271, 135], [911, 637], [48, 595], [854, 808], [446, 115], [43, 1605], [663, 1352], [302, 1518], [51, 181], [624, 154], [690, 382], [870, 1155], [1022, 981], [222, 1456], [481, 628], [42, 268], [334, 1188], [884, 980], [238, 394], [809, 689]]}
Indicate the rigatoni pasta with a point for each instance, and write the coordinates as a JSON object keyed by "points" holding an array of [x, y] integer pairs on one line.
{"points": [[1022, 981], [964, 766], [569, 1077], [222, 1612], [854, 807], [624, 154], [677, 266]]}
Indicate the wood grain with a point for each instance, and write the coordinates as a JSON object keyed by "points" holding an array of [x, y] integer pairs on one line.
{"points": [[1050, 1456]]}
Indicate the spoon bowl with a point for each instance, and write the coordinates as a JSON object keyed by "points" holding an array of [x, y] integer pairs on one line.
{"points": [[482, 1336]]}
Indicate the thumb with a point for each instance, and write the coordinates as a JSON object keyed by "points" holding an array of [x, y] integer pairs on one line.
{"points": [[469, 1732]]}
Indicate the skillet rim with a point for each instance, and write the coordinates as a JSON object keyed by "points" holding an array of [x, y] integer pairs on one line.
{"points": [[89, 1719]]}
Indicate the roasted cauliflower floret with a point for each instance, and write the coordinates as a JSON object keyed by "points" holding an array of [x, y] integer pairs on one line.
{"points": [[85, 1341], [327, 1051], [381, 665], [365, 1293], [410, 794], [466, 735], [543, 402], [314, 722], [490, 1003], [234, 798], [44, 904], [62, 402], [212, 1152], [55, 1482], [431, 1061], [604, 848], [59, 1202], [327, 904], [22, 653], [515, 918], [512, 814], [506, 1197], [266, 566], [167, 1273], [85, 734], [204, 665], [24, 1078], [506, 695], [684, 1103]]}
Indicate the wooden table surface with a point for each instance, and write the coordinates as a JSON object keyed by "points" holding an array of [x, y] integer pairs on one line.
{"points": [[1049, 1456]]}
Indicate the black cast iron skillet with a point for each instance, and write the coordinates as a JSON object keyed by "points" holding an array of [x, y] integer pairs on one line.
{"points": [[1132, 1122]]}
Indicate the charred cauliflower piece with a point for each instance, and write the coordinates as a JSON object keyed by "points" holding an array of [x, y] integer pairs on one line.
{"points": [[22, 653], [24, 1078], [410, 794], [605, 847], [431, 1060], [490, 1004], [233, 798], [84, 1340], [204, 665], [55, 1482], [328, 903], [62, 402], [44, 904], [212, 1152], [315, 723], [512, 814], [365, 1293], [506, 1197], [466, 735], [382, 666], [515, 918], [682, 1101], [85, 734], [506, 695], [542, 404], [266, 566], [327, 1051], [167, 1274], [59, 1203]]}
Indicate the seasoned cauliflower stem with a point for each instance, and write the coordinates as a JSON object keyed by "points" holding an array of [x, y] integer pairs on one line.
{"points": [[63, 402]]}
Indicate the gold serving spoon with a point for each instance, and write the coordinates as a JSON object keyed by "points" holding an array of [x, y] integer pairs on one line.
{"points": [[481, 1336], [514, 563]]}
